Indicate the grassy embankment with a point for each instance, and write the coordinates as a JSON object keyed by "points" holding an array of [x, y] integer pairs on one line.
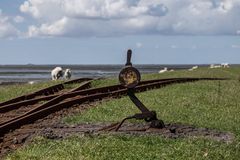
{"points": [[212, 104]]}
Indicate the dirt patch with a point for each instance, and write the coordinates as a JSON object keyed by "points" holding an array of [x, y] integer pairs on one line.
{"points": [[170, 131], [17, 138]]}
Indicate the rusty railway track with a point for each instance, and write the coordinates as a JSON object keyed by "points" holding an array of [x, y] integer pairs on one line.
{"points": [[35, 100], [31, 99], [78, 96], [44, 92], [10, 111]]}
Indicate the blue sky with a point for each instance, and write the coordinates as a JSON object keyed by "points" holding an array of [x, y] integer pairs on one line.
{"points": [[100, 31]]}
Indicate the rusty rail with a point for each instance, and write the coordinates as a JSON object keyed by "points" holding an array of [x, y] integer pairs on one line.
{"points": [[78, 97], [32, 101], [18, 104], [44, 92]]}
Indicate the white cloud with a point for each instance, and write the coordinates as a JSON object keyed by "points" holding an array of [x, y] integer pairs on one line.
{"points": [[7, 30], [55, 29], [18, 19], [123, 17]]}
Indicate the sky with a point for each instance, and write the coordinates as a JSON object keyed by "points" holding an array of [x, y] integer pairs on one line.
{"points": [[101, 31]]}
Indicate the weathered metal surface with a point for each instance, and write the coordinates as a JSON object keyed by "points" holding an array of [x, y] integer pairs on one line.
{"points": [[17, 105], [130, 77]]}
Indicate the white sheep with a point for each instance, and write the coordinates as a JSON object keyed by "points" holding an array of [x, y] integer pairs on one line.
{"points": [[163, 70], [67, 74], [215, 66], [193, 68], [225, 65], [57, 73], [31, 82], [212, 66]]}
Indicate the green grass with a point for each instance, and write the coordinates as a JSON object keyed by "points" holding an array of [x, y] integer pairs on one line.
{"points": [[11, 91], [233, 73], [198, 103], [212, 104], [125, 147]]}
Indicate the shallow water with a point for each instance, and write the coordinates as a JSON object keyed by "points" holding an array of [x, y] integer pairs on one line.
{"points": [[26, 73]]}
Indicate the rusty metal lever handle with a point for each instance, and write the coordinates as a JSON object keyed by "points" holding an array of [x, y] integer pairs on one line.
{"points": [[129, 55], [136, 101]]}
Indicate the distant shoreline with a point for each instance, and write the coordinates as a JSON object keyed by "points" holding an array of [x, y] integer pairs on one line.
{"points": [[20, 74]]}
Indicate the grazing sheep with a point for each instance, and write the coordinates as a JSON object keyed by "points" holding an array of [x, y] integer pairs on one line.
{"points": [[67, 74], [193, 68], [225, 65], [163, 70], [57, 73], [31, 82], [214, 66]]}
